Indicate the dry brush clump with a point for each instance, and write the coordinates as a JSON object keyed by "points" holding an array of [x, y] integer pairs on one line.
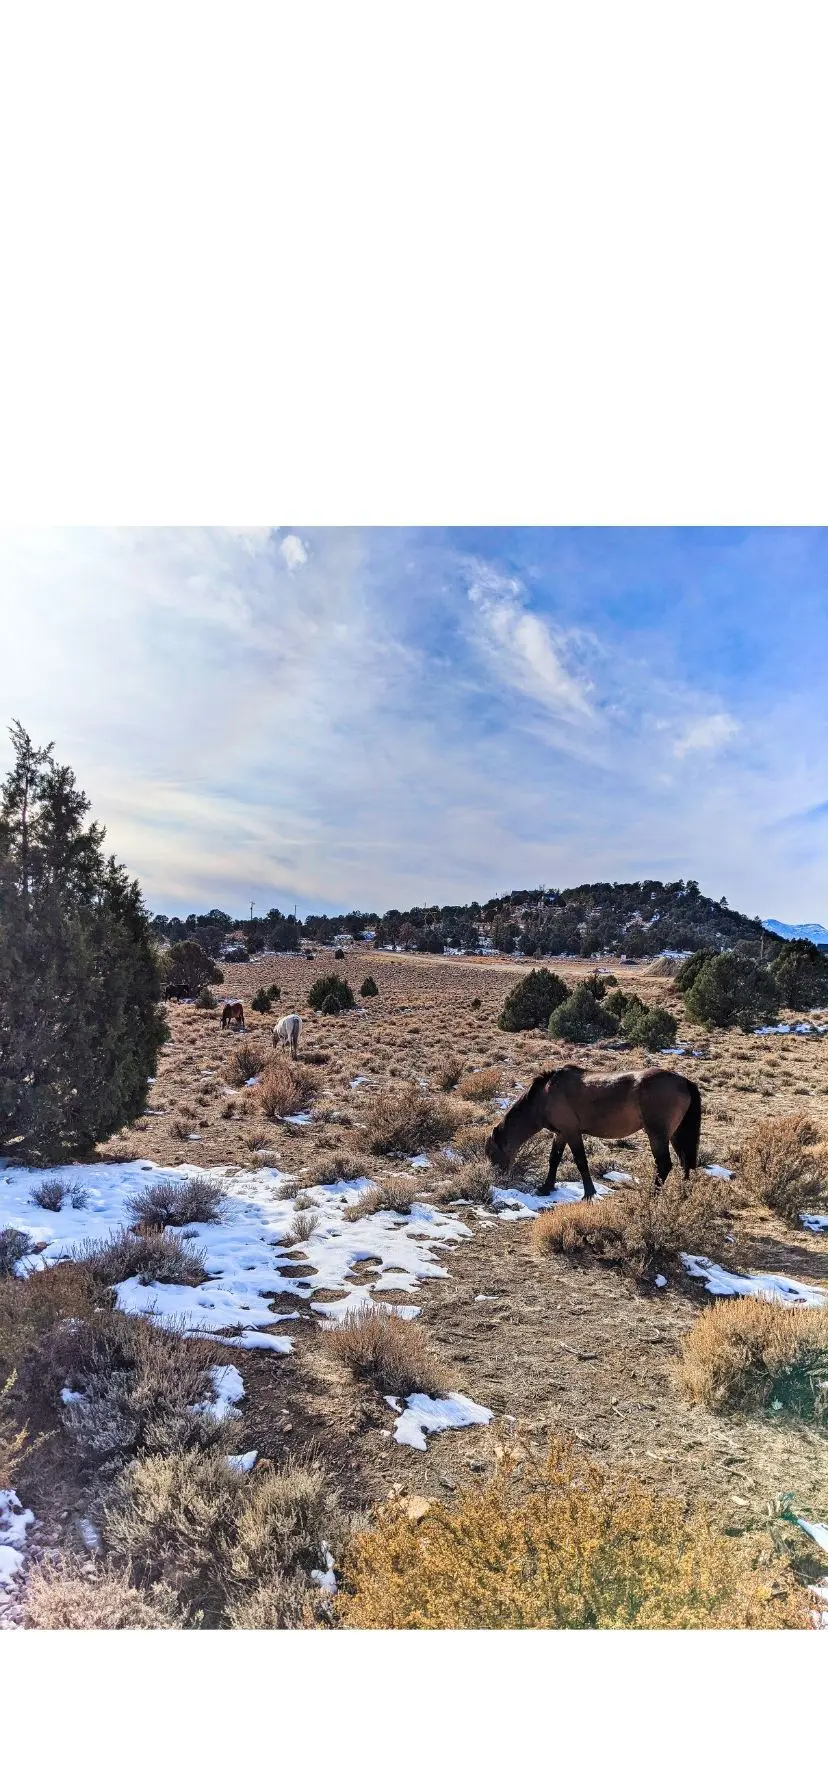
{"points": [[64, 1597], [193, 1201], [570, 1548], [286, 1088], [480, 1085], [388, 1194], [378, 1346], [339, 1166], [780, 1167], [408, 1121], [756, 1354], [246, 1061], [149, 1256], [14, 1444], [643, 1227], [233, 1546]]}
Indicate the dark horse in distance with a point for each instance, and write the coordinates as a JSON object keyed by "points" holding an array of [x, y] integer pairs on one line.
{"points": [[666, 1105]]}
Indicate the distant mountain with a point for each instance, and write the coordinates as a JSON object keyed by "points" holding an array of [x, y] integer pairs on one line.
{"points": [[799, 930]]}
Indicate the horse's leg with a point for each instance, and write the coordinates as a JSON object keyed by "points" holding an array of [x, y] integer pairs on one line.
{"points": [[576, 1146], [660, 1147], [555, 1155]]}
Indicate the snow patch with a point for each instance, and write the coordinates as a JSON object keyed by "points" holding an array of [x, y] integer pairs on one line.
{"points": [[423, 1414], [14, 1523], [780, 1288]]}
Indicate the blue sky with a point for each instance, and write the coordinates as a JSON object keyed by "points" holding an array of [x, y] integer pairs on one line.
{"points": [[372, 717]]}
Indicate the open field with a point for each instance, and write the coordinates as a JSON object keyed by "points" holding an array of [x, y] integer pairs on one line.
{"points": [[548, 1344]]}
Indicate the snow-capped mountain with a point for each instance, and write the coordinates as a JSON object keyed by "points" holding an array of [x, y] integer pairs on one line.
{"points": [[799, 930]]}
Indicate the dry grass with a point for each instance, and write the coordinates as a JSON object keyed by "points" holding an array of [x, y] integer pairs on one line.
{"points": [[14, 1446], [286, 1088], [407, 1121], [193, 1201], [303, 1227], [580, 1552], [339, 1166], [480, 1085], [756, 1354], [189, 1520], [472, 1182], [377, 1346], [142, 1385], [780, 1167], [51, 1194], [246, 1061], [449, 1074], [30, 1307], [390, 1194], [642, 1227], [63, 1598], [14, 1245]]}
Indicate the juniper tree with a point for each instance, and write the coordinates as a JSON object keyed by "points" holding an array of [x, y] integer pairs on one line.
{"points": [[79, 1022]]}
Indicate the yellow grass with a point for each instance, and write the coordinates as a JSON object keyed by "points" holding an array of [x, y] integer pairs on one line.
{"points": [[286, 1088], [480, 1085], [755, 1353], [395, 1354], [574, 1550], [639, 1227]]}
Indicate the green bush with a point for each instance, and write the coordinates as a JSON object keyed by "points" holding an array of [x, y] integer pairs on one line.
{"points": [[339, 952], [80, 1024], [14, 1245], [369, 988], [732, 990], [261, 1002], [187, 962], [532, 1001], [273, 992], [654, 1028], [800, 972], [582, 1019], [618, 1003], [205, 998], [331, 986], [686, 976], [331, 1006]]}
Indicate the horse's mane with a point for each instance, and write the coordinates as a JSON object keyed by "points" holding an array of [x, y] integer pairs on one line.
{"points": [[542, 1082]]}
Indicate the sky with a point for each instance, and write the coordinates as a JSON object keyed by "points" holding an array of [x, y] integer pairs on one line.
{"points": [[339, 718]]}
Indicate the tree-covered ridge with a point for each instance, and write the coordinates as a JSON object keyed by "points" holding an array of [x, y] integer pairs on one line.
{"points": [[635, 919]]}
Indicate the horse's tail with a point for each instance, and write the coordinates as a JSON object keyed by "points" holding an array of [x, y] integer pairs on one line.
{"points": [[688, 1131]]}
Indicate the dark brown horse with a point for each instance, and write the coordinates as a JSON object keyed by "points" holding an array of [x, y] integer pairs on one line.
{"points": [[232, 1015], [665, 1104]]}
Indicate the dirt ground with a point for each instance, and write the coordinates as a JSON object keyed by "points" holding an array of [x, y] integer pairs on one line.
{"points": [[556, 1345]]}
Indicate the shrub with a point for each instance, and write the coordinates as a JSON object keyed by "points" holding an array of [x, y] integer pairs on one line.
{"points": [[617, 1003], [406, 1120], [286, 1088], [582, 1020], [282, 1602], [190, 1520], [339, 952], [756, 1353], [143, 1386], [303, 1227], [187, 962], [237, 955], [531, 1001], [31, 1305], [580, 1551], [392, 1194], [14, 1246], [51, 1194], [192, 1202], [596, 985], [475, 1003], [339, 1166], [261, 1002], [273, 991], [654, 1028], [688, 972], [393, 1353], [800, 972], [205, 998], [151, 1256], [62, 1598], [473, 1182], [331, 986], [732, 990], [80, 1021], [641, 1227], [480, 1085], [246, 1061], [14, 1446], [779, 1167], [449, 1074], [368, 988]]}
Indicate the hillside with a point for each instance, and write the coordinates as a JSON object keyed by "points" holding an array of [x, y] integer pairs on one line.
{"points": [[636, 920], [799, 930]]}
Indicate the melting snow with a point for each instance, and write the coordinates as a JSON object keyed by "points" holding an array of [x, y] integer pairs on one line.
{"points": [[243, 1464], [423, 1414], [819, 1532], [815, 1222], [228, 1390], [14, 1523], [781, 1288], [718, 1170]]}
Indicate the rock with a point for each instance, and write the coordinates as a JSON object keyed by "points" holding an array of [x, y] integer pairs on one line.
{"points": [[416, 1508], [446, 1481]]}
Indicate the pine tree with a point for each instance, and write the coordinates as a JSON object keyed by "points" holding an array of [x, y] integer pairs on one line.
{"points": [[79, 1022]]}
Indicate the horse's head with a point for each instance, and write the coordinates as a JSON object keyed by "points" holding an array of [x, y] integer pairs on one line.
{"points": [[496, 1149]]}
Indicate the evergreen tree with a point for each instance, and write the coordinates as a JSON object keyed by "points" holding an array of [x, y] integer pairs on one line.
{"points": [[79, 1022]]}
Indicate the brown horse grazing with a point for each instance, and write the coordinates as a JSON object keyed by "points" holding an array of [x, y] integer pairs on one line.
{"points": [[232, 1015], [665, 1104]]}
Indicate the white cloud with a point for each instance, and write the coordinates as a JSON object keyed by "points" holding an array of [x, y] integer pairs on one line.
{"points": [[293, 552], [522, 648], [706, 735]]}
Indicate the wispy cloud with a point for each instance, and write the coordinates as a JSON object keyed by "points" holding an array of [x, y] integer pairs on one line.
{"points": [[293, 552], [523, 649], [706, 735]]}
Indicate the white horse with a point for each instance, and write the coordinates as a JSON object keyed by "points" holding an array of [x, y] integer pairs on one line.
{"points": [[286, 1032]]}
